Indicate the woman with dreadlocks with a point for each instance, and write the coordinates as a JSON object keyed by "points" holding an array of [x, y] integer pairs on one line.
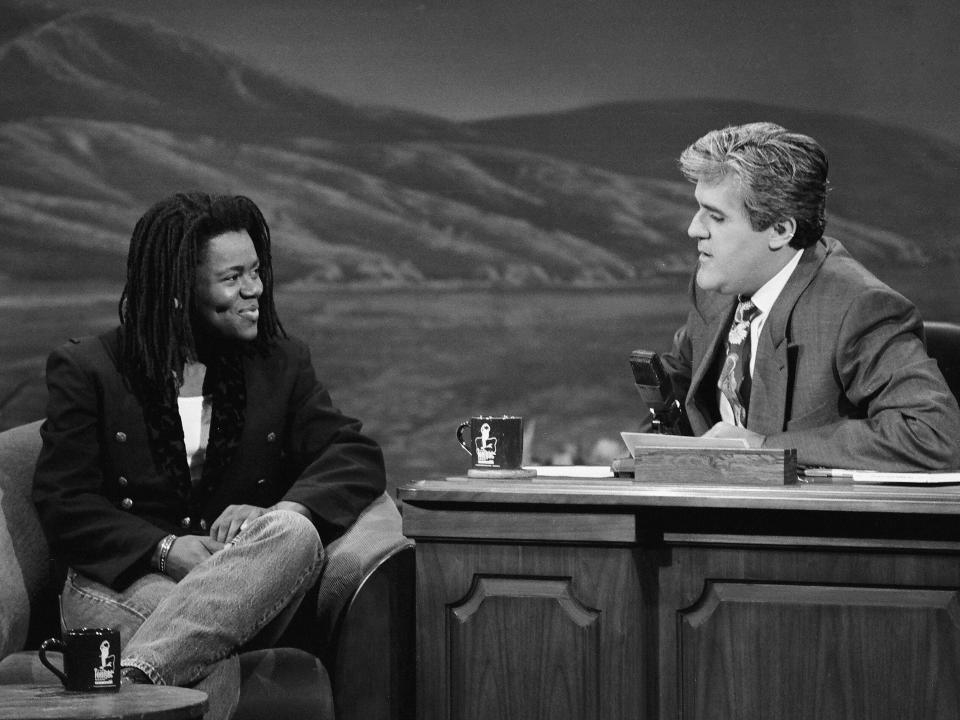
{"points": [[193, 467]]}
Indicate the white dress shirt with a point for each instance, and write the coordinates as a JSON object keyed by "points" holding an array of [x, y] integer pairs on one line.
{"points": [[764, 299]]}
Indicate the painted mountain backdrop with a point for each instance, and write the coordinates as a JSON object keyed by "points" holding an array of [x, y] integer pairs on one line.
{"points": [[428, 263], [97, 123]]}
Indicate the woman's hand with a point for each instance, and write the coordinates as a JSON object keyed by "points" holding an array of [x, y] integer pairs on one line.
{"points": [[187, 552], [232, 520], [236, 517]]}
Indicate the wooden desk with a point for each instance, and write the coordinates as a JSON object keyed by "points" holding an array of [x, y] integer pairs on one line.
{"points": [[572, 598], [131, 702]]}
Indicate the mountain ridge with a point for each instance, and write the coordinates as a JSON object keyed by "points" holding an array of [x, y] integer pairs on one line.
{"points": [[355, 194]]}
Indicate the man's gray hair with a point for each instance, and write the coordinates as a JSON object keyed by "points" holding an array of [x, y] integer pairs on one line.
{"points": [[782, 174]]}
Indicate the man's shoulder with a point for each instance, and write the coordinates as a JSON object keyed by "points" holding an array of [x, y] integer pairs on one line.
{"points": [[843, 274], [848, 289]]}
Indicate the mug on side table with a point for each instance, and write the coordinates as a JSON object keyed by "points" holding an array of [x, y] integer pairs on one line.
{"points": [[91, 658]]}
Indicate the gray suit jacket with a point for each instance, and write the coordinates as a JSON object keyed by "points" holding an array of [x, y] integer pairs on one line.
{"points": [[841, 373]]}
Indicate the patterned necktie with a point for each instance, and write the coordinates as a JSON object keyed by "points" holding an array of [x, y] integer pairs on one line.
{"points": [[734, 380]]}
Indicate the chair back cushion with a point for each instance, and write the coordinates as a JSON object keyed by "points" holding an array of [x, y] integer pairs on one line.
{"points": [[943, 345], [23, 548]]}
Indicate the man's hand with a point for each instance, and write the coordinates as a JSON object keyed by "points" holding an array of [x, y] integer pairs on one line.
{"points": [[726, 430], [187, 552]]}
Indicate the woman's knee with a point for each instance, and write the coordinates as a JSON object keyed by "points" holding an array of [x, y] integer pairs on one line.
{"points": [[85, 602], [294, 534]]}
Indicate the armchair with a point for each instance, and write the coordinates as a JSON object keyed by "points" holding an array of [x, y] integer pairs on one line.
{"points": [[943, 345], [364, 662]]}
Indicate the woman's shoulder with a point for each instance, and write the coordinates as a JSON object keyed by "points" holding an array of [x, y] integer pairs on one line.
{"points": [[288, 346], [90, 349], [282, 354]]}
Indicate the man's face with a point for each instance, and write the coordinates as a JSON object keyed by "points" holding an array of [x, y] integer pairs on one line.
{"points": [[229, 286], [734, 259]]}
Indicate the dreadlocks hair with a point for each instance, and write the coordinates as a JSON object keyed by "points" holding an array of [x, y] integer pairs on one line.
{"points": [[157, 303]]}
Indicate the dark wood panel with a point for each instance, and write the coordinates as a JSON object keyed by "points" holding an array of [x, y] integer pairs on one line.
{"points": [[798, 541], [559, 492], [771, 632], [820, 652], [552, 673], [526, 632], [504, 525]]}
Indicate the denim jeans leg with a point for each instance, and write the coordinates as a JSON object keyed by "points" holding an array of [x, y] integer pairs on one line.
{"points": [[86, 603], [228, 599]]}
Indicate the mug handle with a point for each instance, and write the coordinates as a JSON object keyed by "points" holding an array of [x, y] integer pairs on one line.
{"points": [[464, 445], [56, 645]]}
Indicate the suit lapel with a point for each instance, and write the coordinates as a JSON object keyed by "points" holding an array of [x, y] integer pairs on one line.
{"points": [[771, 381], [715, 314]]}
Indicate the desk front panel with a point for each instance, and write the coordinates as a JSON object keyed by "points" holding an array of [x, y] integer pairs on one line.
{"points": [[685, 612], [808, 634], [528, 631]]}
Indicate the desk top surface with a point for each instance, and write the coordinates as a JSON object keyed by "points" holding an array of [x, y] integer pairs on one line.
{"points": [[626, 492], [143, 702]]}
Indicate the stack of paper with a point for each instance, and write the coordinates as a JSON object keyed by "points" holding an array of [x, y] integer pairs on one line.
{"points": [[633, 440], [873, 476]]}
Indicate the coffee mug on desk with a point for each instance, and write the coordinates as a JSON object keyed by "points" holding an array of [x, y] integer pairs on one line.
{"points": [[91, 658], [495, 442]]}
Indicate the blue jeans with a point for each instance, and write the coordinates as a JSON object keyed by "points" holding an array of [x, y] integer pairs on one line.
{"points": [[188, 633]]}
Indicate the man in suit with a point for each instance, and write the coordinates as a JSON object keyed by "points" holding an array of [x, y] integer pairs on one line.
{"points": [[791, 343]]}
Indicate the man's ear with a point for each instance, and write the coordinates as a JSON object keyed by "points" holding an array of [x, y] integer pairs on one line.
{"points": [[781, 233]]}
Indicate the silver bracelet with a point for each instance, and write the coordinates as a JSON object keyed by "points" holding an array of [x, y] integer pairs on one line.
{"points": [[165, 546]]}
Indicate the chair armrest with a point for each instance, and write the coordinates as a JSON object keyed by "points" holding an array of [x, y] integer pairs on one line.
{"points": [[354, 556], [365, 617], [374, 664]]}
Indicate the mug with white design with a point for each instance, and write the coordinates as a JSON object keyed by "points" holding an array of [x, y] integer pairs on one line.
{"points": [[495, 441], [91, 658]]}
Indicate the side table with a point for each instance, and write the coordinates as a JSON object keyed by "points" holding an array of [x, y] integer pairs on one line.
{"points": [[132, 702]]}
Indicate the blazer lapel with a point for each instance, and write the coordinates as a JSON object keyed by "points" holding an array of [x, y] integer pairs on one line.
{"points": [[771, 381], [226, 382], [161, 425], [716, 314]]}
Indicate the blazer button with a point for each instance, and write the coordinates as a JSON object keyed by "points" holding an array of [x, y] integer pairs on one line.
{"points": [[261, 481], [185, 522], [203, 525], [271, 437], [121, 437], [122, 481], [126, 503]]}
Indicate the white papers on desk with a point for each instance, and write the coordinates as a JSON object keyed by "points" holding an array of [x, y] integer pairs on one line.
{"points": [[633, 440], [880, 478], [575, 471]]}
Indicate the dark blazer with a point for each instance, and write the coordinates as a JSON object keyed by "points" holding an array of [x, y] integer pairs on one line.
{"points": [[102, 501], [841, 373]]}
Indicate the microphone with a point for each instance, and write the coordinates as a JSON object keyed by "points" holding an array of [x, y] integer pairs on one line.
{"points": [[656, 390]]}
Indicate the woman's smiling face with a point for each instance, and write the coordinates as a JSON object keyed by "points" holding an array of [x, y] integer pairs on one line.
{"points": [[229, 286]]}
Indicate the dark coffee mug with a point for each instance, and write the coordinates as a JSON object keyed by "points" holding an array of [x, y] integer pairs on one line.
{"points": [[91, 658], [496, 442]]}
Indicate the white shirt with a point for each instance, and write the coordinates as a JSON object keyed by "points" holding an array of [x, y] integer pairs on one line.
{"points": [[195, 412], [764, 299]]}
